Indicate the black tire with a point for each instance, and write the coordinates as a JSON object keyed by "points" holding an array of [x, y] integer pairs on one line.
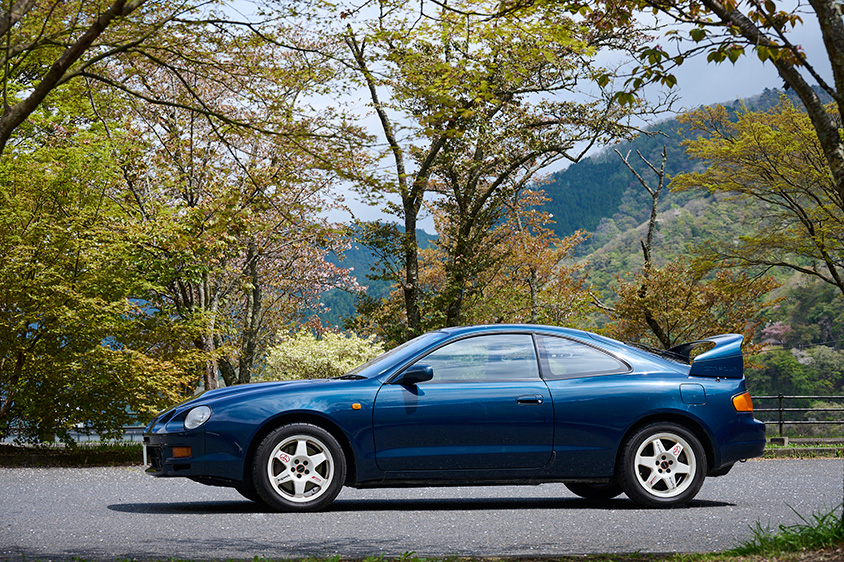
{"points": [[595, 491], [299, 467], [662, 465], [249, 493]]}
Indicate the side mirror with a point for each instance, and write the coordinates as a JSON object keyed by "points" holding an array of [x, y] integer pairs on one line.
{"points": [[415, 374]]}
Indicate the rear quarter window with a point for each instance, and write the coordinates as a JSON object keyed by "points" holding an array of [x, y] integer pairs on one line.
{"points": [[562, 358]]}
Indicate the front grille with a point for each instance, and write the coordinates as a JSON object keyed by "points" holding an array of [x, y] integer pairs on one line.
{"points": [[154, 457]]}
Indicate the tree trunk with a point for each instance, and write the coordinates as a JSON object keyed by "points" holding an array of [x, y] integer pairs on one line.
{"points": [[252, 317], [208, 303]]}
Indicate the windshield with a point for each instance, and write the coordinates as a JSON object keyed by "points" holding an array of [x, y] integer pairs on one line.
{"points": [[378, 365]]}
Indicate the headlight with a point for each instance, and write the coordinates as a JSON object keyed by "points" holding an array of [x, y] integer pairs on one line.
{"points": [[197, 417]]}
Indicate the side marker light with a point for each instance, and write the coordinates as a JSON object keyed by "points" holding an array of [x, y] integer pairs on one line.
{"points": [[356, 406], [743, 402], [181, 452]]}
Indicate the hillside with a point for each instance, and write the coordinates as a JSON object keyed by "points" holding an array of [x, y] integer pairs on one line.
{"points": [[601, 196]]}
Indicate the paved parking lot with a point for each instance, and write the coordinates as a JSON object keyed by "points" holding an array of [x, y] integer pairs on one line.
{"points": [[109, 513]]}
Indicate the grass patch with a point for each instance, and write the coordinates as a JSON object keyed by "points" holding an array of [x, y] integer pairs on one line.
{"points": [[818, 532], [83, 454]]}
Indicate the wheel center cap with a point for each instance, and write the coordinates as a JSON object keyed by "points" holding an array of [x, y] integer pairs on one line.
{"points": [[664, 465]]}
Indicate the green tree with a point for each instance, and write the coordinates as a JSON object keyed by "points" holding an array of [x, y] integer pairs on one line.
{"points": [[471, 109], [774, 162], [76, 345], [780, 372]]}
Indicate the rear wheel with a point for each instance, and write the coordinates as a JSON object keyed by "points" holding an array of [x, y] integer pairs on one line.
{"points": [[662, 465], [595, 491], [299, 467]]}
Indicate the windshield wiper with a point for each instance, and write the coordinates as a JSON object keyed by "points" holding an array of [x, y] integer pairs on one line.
{"points": [[350, 377]]}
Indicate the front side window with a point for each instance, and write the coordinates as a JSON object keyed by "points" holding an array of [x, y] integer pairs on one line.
{"points": [[562, 358], [488, 358]]}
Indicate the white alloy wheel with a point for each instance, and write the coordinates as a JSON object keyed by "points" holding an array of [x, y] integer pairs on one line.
{"points": [[661, 465], [664, 465], [299, 467]]}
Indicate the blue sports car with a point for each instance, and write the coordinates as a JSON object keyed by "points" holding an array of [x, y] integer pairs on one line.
{"points": [[497, 404]]}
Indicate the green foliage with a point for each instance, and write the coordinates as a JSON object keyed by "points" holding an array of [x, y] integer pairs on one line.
{"points": [[304, 356], [811, 313], [772, 161], [779, 371], [75, 345]]}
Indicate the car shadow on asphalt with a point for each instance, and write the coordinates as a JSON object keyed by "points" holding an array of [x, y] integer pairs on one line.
{"points": [[438, 504]]}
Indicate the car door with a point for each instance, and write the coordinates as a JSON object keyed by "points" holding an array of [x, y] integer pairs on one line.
{"points": [[485, 407], [593, 403]]}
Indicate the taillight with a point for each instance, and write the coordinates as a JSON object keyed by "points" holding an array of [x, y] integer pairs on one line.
{"points": [[743, 402]]}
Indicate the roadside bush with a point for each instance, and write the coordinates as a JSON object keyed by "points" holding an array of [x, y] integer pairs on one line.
{"points": [[304, 356]]}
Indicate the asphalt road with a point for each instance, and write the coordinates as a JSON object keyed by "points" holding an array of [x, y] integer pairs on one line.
{"points": [[111, 513]]}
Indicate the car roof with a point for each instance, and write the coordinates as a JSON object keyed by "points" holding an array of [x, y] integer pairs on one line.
{"points": [[483, 328]]}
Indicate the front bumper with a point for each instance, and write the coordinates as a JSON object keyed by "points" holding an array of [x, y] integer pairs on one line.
{"points": [[165, 453]]}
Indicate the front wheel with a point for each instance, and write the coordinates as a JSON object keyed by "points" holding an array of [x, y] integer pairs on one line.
{"points": [[299, 467], [662, 465], [249, 492]]}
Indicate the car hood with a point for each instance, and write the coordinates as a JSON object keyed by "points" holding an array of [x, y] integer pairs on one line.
{"points": [[256, 388], [210, 397]]}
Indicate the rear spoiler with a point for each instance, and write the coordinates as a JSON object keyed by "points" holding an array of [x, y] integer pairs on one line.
{"points": [[723, 360]]}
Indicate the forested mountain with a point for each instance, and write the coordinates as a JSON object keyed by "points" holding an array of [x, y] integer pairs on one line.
{"points": [[600, 195]]}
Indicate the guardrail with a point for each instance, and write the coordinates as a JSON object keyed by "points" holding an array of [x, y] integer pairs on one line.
{"points": [[782, 411], [131, 434]]}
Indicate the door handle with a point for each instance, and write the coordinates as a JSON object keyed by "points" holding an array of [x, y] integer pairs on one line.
{"points": [[530, 399]]}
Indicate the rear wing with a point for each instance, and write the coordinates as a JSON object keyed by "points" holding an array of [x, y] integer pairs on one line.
{"points": [[723, 360]]}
